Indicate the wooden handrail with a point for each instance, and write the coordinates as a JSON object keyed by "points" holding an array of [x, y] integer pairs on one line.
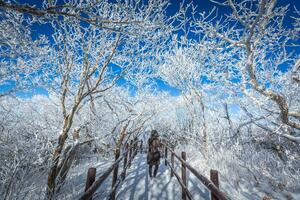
{"points": [[92, 189], [209, 184], [189, 195], [130, 151], [118, 181]]}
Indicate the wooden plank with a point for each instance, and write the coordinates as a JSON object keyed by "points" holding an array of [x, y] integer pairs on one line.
{"points": [[130, 153], [166, 155], [183, 175], [115, 174], [90, 179], [214, 177], [125, 161], [135, 149], [141, 147], [172, 163]]}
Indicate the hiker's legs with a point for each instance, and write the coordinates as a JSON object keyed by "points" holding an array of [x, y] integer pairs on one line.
{"points": [[155, 170], [150, 170]]}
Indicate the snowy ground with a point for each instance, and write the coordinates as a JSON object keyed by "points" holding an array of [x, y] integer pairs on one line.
{"points": [[139, 186], [136, 186], [76, 181]]}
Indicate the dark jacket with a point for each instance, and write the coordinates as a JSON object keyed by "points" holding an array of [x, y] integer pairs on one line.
{"points": [[154, 146]]}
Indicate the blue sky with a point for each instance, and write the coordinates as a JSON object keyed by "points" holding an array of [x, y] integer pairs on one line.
{"points": [[202, 5]]}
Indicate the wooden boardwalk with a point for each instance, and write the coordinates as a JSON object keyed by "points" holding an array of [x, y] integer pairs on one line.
{"points": [[139, 186], [176, 178]]}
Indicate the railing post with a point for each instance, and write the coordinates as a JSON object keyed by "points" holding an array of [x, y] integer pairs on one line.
{"points": [[115, 173], [214, 177], [183, 175], [125, 161], [141, 146], [90, 179], [166, 155], [172, 162], [130, 153], [135, 148]]}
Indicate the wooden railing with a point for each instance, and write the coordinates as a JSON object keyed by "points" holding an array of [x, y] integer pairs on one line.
{"points": [[127, 156], [212, 185]]}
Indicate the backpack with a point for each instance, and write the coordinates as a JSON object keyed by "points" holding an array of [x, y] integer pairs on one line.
{"points": [[156, 155]]}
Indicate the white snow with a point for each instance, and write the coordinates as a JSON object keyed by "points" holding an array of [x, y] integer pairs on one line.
{"points": [[139, 186]]}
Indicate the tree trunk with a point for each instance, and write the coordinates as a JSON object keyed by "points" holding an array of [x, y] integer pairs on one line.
{"points": [[205, 136], [52, 175]]}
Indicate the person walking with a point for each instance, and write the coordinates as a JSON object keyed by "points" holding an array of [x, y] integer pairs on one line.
{"points": [[154, 153]]}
